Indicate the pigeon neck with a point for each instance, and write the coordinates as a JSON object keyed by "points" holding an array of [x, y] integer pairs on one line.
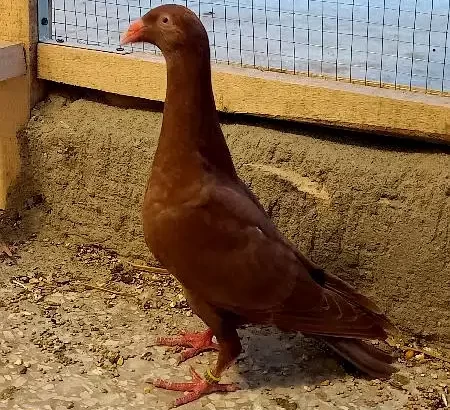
{"points": [[191, 133], [189, 89]]}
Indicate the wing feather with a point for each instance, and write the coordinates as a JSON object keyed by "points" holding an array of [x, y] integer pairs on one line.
{"points": [[247, 267]]}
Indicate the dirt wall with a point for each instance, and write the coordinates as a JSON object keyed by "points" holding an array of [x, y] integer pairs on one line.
{"points": [[377, 215]]}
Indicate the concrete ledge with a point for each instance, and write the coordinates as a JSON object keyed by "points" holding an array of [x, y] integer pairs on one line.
{"points": [[12, 60], [250, 91]]}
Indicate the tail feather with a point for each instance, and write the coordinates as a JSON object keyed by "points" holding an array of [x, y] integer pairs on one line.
{"points": [[336, 284], [343, 320], [365, 357], [342, 288]]}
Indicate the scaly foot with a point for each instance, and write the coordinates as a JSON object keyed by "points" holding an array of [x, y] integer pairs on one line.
{"points": [[196, 343], [195, 389]]}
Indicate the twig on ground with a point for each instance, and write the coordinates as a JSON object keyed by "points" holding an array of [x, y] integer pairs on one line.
{"points": [[128, 295], [150, 269], [16, 282], [444, 399]]}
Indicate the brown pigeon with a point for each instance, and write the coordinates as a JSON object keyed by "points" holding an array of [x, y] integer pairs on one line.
{"points": [[208, 229]]}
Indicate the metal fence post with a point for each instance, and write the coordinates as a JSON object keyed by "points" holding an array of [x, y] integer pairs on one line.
{"points": [[45, 20]]}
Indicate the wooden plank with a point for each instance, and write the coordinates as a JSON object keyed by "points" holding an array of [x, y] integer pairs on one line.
{"points": [[15, 21], [12, 60], [18, 24], [13, 116], [251, 91]]}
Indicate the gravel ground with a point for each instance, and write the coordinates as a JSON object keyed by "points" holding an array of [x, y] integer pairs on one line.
{"points": [[77, 327]]}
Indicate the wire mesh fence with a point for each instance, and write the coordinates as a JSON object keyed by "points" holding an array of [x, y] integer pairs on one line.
{"points": [[390, 43]]}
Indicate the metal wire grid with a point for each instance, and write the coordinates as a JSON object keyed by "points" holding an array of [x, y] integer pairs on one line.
{"points": [[395, 43]]}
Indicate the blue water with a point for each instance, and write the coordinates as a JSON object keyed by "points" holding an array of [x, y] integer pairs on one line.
{"points": [[399, 42]]}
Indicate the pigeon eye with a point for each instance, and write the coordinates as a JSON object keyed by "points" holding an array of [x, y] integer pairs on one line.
{"points": [[165, 20]]}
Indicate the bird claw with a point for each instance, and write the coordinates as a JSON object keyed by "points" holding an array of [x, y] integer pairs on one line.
{"points": [[195, 389], [195, 342], [190, 353]]}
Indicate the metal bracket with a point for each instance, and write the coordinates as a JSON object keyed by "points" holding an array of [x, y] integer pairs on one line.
{"points": [[45, 20]]}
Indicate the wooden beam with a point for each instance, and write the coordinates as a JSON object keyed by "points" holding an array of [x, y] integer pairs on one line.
{"points": [[12, 60], [19, 90], [13, 116], [18, 22], [251, 91]]}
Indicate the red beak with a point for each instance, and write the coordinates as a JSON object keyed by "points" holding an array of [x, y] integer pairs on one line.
{"points": [[134, 32]]}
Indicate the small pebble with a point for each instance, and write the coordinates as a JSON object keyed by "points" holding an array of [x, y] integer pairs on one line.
{"points": [[322, 396], [420, 357]]}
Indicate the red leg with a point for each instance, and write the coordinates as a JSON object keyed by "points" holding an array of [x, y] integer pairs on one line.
{"points": [[229, 349], [195, 389], [196, 342]]}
